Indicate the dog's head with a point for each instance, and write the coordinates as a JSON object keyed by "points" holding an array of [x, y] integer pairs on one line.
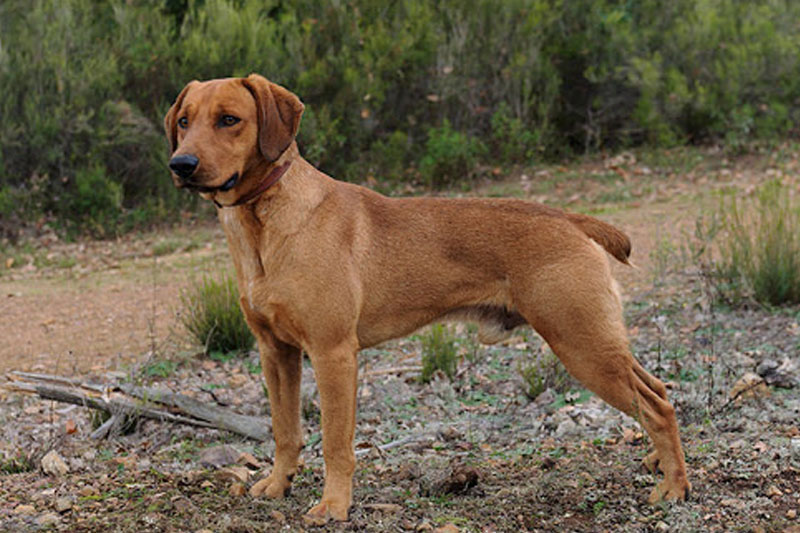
{"points": [[221, 132]]}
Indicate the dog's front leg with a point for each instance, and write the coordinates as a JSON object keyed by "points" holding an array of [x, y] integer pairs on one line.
{"points": [[336, 372], [281, 365]]}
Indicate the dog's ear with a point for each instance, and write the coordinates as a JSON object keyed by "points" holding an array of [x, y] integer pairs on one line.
{"points": [[171, 118], [279, 112]]}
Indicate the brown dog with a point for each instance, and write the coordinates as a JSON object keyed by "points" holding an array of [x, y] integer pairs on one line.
{"points": [[331, 268]]}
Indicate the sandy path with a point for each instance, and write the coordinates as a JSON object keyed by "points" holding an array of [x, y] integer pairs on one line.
{"points": [[100, 314]]}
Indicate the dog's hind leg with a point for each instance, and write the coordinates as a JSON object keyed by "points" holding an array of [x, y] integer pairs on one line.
{"points": [[606, 367], [584, 328]]}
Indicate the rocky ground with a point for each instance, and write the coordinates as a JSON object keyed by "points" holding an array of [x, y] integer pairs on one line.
{"points": [[472, 453]]}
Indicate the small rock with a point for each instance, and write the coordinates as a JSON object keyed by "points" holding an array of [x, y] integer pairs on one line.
{"points": [[63, 504], [247, 459], [661, 526], [24, 509], [425, 526], [774, 491], [278, 516], [88, 492], [237, 489], [545, 398], [237, 380], [794, 450], [48, 519], [234, 473], [450, 433], [219, 456], [460, 480], [447, 528], [183, 505], [791, 514], [565, 428], [384, 507], [778, 374], [731, 502], [749, 386], [53, 464]]}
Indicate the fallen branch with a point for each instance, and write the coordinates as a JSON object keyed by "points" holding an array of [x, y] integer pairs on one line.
{"points": [[130, 401], [249, 426], [392, 370], [410, 439]]}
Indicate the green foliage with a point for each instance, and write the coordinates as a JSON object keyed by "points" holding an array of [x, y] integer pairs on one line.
{"points": [[160, 368], [388, 87], [211, 314], [94, 204], [544, 372], [511, 140], [392, 156], [758, 246], [17, 464], [450, 156], [439, 353]]}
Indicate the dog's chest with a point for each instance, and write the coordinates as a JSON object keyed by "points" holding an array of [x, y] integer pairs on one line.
{"points": [[243, 241]]}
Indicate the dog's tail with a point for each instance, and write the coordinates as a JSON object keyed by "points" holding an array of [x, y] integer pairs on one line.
{"points": [[613, 240]]}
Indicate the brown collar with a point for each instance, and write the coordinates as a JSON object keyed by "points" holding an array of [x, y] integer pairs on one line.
{"points": [[271, 179]]}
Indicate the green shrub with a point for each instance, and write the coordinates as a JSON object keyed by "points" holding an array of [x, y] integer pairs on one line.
{"points": [[512, 141], [439, 352], [17, 464], [392, 156], [86, 84], [757, 246], [450, 156], [93, 205], [211, 314]]}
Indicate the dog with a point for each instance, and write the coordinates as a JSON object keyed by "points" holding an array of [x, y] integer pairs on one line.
{"points": [[329, 268]]}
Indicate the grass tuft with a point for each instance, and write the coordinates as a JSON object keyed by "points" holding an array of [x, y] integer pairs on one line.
{"points": [[544, 372], [212, 316], [757, 246], [439, 352]]}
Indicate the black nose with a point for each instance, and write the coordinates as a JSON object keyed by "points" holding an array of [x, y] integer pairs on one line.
{"points": [[184, 165]]}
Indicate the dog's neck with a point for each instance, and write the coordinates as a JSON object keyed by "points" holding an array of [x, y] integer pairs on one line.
{"points": [[272, 172], [284, 206]]}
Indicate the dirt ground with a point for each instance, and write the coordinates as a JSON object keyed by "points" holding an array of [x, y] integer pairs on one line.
{"points": [[469, 454]]}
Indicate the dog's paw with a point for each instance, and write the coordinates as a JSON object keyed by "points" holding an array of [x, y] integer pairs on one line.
{"points": [[325, 510], [670, 491], [272, 486]]}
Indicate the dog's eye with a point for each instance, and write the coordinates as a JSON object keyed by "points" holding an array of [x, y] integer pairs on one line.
{"points": [[228, 120], [183, 122]]}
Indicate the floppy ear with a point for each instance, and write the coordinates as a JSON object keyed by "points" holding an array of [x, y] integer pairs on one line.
{"points": [[171, 118], [279, 112]]}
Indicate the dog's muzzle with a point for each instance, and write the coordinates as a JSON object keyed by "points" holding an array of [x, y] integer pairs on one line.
{"points": [[184, 166]]}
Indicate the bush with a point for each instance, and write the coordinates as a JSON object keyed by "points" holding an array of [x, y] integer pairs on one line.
{"points": [[387, 86], [93, 205], [211, 314], [450, 156], [439, 353], [512, 141], [757, 246]]}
